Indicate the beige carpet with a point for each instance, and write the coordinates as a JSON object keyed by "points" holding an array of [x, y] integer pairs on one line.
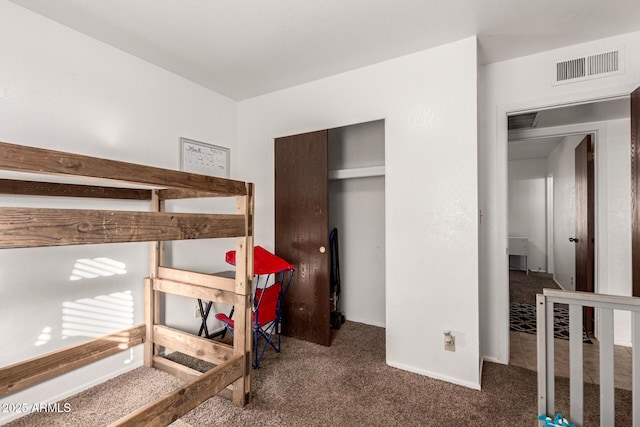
{"points": [[347, 384]]}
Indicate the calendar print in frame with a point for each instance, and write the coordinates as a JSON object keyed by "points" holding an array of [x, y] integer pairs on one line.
{"points": [[202, 158]]}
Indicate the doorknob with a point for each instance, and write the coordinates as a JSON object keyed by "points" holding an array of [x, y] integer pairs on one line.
{"points": [[573, 239], [322, 249]]}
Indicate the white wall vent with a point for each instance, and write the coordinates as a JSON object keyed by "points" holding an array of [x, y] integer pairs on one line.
{"points": [[602, 64]]}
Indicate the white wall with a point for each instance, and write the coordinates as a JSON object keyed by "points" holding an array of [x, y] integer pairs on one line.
{"points": [[519, 85], [64, 91], [356, 209], [527, 210], [614, 277], [428, 101]]}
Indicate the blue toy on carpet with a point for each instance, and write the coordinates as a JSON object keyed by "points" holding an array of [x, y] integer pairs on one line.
{"points": [[558, 421]]}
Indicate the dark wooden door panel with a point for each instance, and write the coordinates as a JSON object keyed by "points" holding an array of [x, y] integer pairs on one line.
{"points": [[584, 206], [302, 232]]}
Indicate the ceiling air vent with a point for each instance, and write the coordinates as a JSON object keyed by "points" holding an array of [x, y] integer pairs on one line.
{"points": [[589, 67], [523, 121]]}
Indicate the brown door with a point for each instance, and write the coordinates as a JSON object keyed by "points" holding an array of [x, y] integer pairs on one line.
{"points": [[635, 191], [302, 232], [584, 238]]}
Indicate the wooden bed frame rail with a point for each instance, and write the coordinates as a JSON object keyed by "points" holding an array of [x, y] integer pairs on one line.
{"points": [[39, 227]]}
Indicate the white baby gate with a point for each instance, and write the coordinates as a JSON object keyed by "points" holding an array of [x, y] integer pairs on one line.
{"points": [[605, 305]]}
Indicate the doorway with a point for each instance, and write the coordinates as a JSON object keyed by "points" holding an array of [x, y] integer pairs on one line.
{"points": [[608, 122]]}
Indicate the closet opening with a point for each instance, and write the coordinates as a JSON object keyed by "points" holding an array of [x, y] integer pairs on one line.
{"points": [[325, 180], [356, 210]]}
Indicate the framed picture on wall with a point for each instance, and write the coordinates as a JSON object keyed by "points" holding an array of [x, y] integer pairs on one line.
{"points": [[202, 158]]}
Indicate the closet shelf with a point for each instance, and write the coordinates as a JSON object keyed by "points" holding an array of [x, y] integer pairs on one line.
{"points": [[356, 172]]}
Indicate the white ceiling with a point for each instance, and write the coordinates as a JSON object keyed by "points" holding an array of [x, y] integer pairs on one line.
{"points": [[245, 48], [534, 148]]}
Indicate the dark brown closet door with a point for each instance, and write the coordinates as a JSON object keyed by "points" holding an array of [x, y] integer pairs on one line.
{"points": [[302, 232]]}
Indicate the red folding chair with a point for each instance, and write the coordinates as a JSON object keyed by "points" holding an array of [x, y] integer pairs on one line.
{"points": [[267, 300]]}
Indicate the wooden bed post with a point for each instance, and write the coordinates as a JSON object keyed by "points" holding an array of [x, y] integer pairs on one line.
{"points": [[242, 340], [151, 297]]}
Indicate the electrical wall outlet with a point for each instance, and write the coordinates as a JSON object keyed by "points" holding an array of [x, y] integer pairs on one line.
{"points": [[197, 312], [450, 345], [449, 341]]}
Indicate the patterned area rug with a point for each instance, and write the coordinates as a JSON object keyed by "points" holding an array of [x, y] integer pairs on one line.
{"points": [[523, 319]]}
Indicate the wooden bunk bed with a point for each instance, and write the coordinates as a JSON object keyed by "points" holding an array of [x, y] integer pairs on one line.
{"points": [[41, 227]]}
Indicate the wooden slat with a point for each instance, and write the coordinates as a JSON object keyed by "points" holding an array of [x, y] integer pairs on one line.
{"points": [[149, 302], [20, 375], [244, 245], [244, 279], [176, 369], [243, 337], [248, 210], [249, 213], [31, 227], [155, 248], [38, 160], [193, 291], [202, 348], [605, 336], [201, 279], [242, 347], [576, 366], [179, 193], [169, 408], [52, 189], [152, 298], [157, 255]]}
